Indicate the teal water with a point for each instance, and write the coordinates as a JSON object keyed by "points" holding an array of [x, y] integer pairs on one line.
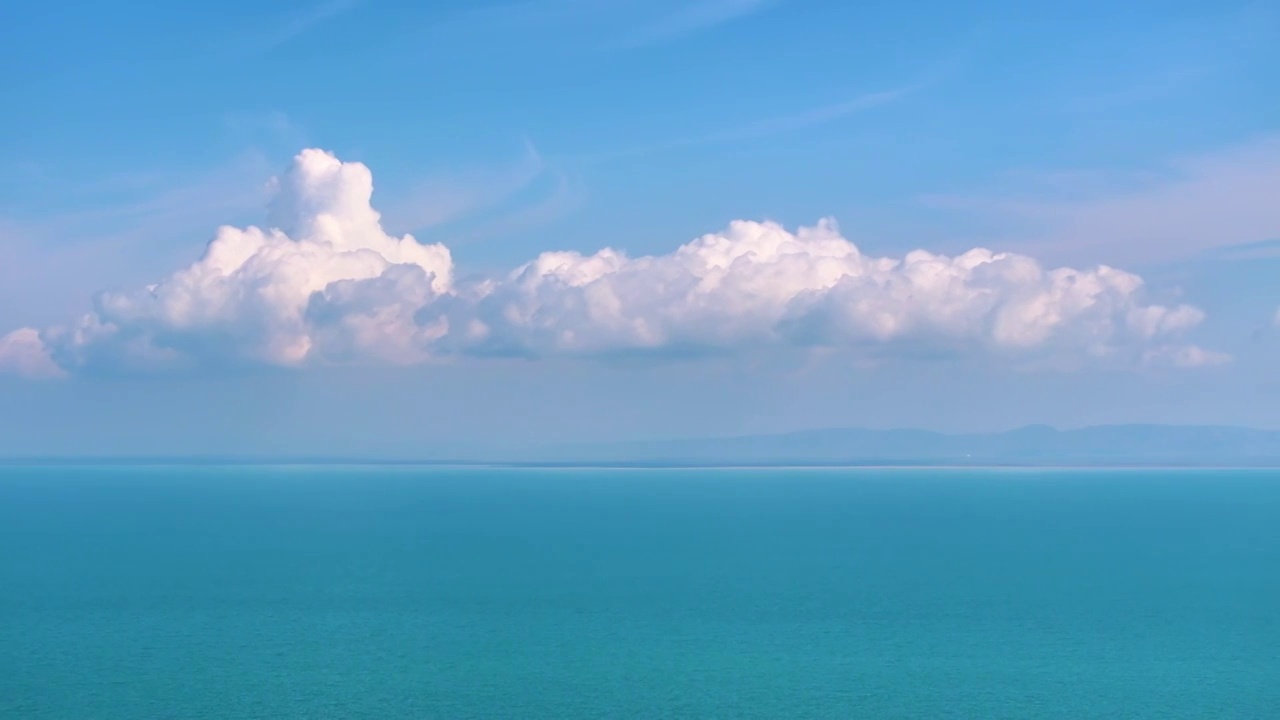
{"points": [[566, 594]]}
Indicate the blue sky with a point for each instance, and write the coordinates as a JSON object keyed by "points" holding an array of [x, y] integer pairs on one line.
{"points": [[1143, 136]]}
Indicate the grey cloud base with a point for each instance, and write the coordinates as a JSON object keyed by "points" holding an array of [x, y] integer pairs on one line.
{"points": [[325, 284]]}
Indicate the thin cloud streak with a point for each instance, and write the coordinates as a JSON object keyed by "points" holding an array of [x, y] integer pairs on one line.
{"points": [[1187, 207], [310, 18], [592, 25], [803, 119], [50, 264], [766, 127], [161, 205], [809, 117], [297, 25], [694, 18], [444, 197], [488, 201], [564, 197]]}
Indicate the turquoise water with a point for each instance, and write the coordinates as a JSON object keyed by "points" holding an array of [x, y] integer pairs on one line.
{"points": [[566, 594]]}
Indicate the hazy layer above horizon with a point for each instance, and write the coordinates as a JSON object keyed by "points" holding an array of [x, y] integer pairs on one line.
{"points": [[1032, 445]]}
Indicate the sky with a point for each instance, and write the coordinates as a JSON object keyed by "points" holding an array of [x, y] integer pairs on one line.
{"points": [[369, 227]]}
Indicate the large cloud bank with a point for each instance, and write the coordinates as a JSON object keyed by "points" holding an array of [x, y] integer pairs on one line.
{"points": [[325, 284]]}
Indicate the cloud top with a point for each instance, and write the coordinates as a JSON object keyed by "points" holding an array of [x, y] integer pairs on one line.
{"points": [[22, 352], [325, 284]]}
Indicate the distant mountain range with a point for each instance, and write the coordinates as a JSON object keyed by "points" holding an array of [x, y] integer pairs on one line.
{"points": [[1033, 445]]}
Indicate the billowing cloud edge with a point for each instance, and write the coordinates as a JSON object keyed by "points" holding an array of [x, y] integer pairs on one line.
{"points": [[325, 284], [22, 352]]}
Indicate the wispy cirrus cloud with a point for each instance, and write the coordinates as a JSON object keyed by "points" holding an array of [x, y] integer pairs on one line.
{"points": [[480, 202], [294, 25], [139, 209], [126, 225], [133, 205], [562, 195], [797, 119], [803, 119], [693, 17], [1172, 211], [446, 196], [131, 224], [1249, 251], [589, 25], [1170, 60], [763, 127]]}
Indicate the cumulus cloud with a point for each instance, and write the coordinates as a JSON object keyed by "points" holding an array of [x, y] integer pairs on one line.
{"points": [[248, 299], [757, 283], [23, 353], [325, 284]]}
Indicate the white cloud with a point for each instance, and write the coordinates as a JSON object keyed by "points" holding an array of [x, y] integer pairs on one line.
{"points": [[756, 283], [326, 284], [22, 353], [246, 299]]}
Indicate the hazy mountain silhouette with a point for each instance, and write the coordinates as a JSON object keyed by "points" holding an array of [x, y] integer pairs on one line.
{"points": [[1032, 445]]}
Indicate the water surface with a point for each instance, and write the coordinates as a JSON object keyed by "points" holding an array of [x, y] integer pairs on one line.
{"points": [[361, 592]]}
